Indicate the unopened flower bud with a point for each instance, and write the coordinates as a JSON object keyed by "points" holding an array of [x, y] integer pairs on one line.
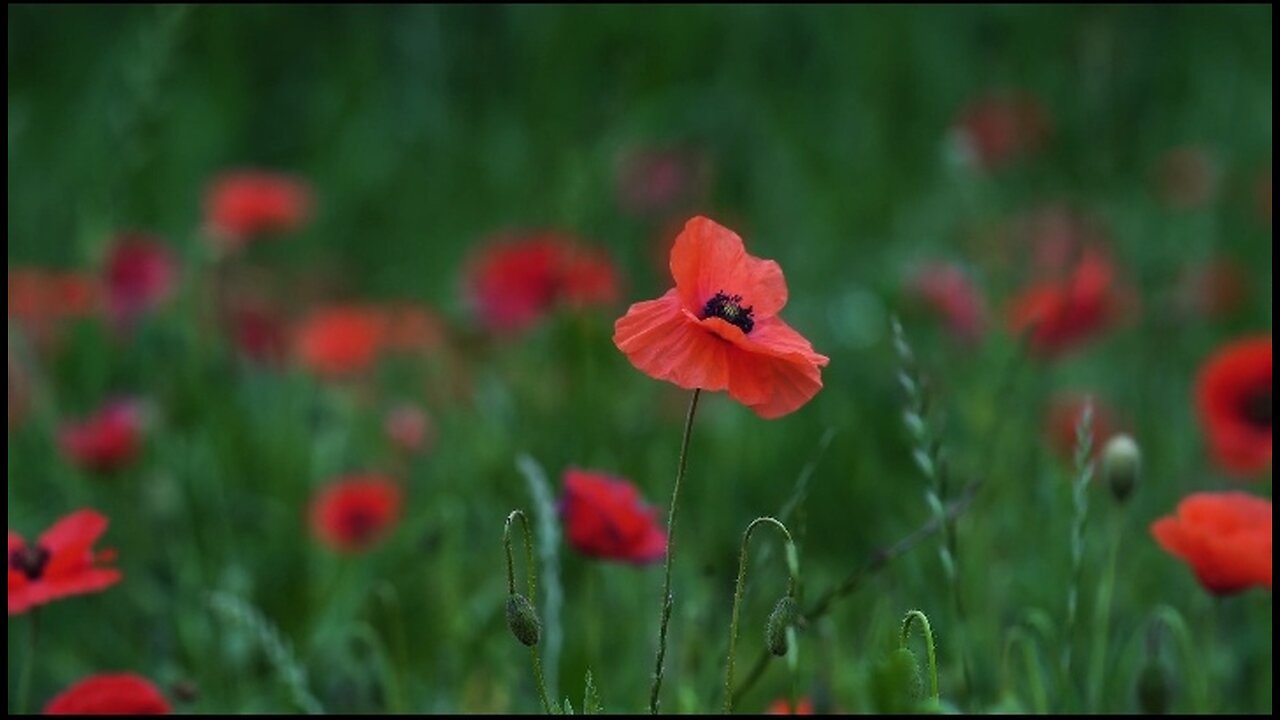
{"points": [[896, 683], [782, 617], [523, 619], [1121, 465]]}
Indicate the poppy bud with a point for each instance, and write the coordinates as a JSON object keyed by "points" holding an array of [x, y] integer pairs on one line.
{"points": [[1155, 688], [1121, 465], [782, 617], [896, 682], [523, 620]]}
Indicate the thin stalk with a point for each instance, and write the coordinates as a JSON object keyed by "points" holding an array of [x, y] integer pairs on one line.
{"points": [[665, 614], [921, 619], [28, 669], [738, 592], [533, 589], [1102, 619], [1084, 473]]}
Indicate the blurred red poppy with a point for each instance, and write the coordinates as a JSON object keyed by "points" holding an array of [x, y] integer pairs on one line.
{"points": [[1211, 290], [1233, 397], [1060, 316], [651, 181], [259, 331], [42, 300], [409, 428], [412, 328], [718, 328], [245, 204], [587, 278], [140, 275], [60, 564], [1001, 127], [340, 341], [605, 518], [1224, 537], [106, 441], [946, 290], [1063, 419], [782, 706], [1187, 177], [515, 281], [355, 512], [110, 694]]}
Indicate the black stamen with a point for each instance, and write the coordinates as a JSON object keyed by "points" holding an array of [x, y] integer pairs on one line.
{"points": [[1257, 409], [730, 309], [30, 561], [360, 524]]}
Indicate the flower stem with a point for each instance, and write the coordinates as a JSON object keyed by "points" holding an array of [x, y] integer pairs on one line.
{"points": [[24, 683], [738, 590], [923, 621], [533, 593], [665, 615]]}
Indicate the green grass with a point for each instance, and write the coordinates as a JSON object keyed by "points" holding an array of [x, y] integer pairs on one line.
{"points": [[424, 130]]}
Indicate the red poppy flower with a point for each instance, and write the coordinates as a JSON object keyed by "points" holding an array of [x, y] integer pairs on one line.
{"points": [[1064, 416], [409, 428], [412, 328], [355, 512], [340, 341], [1211, 290], [718, 328], [782, 706], [245, 204], [41, 300], [1233, 397], [1001, 127], [106, 441], [259, 332], [947, 291], [110, 694], [1187, 177], [606, 518], [1062, 315], [587, 278], [140, 274], [652, 181], [1224, 537], [60, 564], [515, 281]]}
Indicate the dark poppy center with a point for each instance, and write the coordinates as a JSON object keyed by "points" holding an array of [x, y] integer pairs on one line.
{"points": [[30, 561], [1257, 409], [730, 309], [360, 525]]}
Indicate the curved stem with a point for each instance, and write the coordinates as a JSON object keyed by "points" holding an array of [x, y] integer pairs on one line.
{"points": [[879, 559], [665, 616], [929, 647], [1192, 656], [740, 587], [533, 587]]}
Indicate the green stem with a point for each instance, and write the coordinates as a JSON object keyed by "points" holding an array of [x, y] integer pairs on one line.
{"points": [[923, 621], [665, 615], [533, 588], [740, 587], [1102, 619], [24, 684]]}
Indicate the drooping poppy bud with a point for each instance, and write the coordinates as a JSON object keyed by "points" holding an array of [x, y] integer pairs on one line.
{"points": [[523, 619]]}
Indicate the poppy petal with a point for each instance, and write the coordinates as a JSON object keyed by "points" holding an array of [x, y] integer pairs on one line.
{"points": [[80, 528], [663, 341], [709, 258]]}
